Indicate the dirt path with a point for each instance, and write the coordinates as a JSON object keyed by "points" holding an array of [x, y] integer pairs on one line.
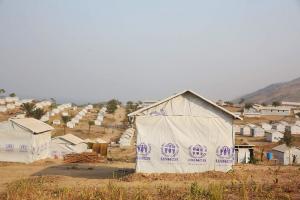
{"points": [[72, 174]]}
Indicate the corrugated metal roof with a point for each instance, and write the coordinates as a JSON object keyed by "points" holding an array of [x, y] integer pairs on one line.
{"points": [[34, 125], [283, 148]]}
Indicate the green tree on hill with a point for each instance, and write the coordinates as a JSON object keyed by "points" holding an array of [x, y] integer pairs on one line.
{"points": [[276, 103], [12, 95], [2, 91]]}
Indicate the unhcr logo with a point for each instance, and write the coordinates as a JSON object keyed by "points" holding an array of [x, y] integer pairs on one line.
{"points": [[169, 152], [225, 155], [198, 153], [143, 151]]}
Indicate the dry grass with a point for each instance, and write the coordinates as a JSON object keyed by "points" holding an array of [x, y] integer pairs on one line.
{"points": [[232, 185]]}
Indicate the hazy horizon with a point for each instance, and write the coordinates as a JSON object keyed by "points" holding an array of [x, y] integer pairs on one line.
{"points": [[92, 51]]}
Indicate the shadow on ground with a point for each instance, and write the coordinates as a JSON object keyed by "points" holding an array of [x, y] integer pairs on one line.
{"points": [[85, 171]]}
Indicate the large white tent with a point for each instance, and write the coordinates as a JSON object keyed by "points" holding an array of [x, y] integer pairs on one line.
{"points": [[184, 133], [24, 140], [67, 144]]}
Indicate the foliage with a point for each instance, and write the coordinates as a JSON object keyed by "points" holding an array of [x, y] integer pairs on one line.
{"points": [[131, 106], [91, 123], [253, 160], [242, 100], [65, 120], [288, 139], [31, 111], [228, 103], [28, 108], [38, 113], [2, 91], [12, 95], [112, 105], [276, 103], [248, 105]]}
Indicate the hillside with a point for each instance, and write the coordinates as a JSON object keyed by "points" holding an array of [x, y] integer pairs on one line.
{"points": [[286, 91]]}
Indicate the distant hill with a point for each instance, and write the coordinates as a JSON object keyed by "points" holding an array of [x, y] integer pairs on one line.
{"points": [[286, 91]]}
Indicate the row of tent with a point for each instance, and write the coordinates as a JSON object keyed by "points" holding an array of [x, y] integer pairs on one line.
{"points": [[75, 120], [273, 132], [127, 138], [54, 111], [10, 103], [100, 116]]}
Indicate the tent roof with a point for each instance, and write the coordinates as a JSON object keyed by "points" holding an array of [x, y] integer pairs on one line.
{"points": [[181, 93], [71, 138], [283, 148], [34, 125]]}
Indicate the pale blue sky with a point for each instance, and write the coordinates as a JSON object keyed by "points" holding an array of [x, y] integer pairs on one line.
{"points": [[87, 51]]}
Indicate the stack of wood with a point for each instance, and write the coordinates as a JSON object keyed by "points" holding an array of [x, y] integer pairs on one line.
{"points": [[83, 158]]}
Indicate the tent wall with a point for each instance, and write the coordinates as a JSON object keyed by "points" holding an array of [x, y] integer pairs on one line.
{"points": [[184, 135], [19, 145]]}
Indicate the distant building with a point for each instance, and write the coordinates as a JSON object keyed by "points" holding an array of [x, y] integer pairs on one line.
{"points": [[293, 128], [293, 104], [243, 153], [279, 127], [266, 126], [246, 130], [273, 136], [257, 131], [286, 155], [278, 110], [251, 112]]}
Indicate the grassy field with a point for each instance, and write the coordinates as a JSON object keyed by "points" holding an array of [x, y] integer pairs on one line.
{"points": [[244, 182]]}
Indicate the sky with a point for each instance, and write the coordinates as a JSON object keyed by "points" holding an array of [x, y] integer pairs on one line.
{"points": [[90, 51]]}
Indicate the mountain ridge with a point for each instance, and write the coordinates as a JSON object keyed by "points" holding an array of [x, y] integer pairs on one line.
{"points": [[283, 91]]}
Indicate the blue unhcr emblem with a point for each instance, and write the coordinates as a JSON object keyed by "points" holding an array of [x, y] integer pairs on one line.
{"points": [[225, 155], [143, 151], [198, 153], [169, 152]]}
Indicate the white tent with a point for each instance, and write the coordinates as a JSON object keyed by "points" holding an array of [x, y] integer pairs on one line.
{"points": [[184, 133], [24, 140], [67, 144], [3, 109]]}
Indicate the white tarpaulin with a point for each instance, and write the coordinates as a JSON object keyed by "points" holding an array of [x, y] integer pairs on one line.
{"points": [[184, 134], [19, 143]]}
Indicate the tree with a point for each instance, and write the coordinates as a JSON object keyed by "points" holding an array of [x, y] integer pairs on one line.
{"points": [[91, 123], [38, 113], [288, 140], [248, 105], [65, 120], [264, 104], [31, 111], [12, 95], [242, 100], [112, 105], [131, 107], [276, 103], [2, 91], [28, 108]]}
